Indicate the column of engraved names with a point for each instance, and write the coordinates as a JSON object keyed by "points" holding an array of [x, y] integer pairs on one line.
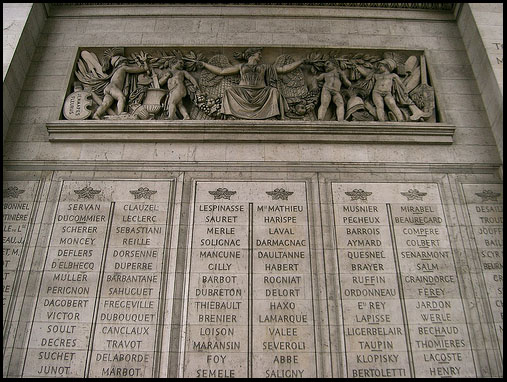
{"points": [[437, 326], [283, 323], [18, 201], [485, 209], [375, 335], [125, 333], [217, 311], [62, 321]]}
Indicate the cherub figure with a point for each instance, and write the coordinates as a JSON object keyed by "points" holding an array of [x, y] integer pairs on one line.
{"points": [[175, 79], [114, 90], [331, 90], [385, 83]]}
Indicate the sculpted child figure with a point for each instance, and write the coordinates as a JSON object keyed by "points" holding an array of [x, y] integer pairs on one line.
{"points": [[177, 90], [114, 90], [386, 83], [331, 91]]}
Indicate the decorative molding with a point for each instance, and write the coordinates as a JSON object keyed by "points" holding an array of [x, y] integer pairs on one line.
{"points": [[429, 6], [251, 131]]}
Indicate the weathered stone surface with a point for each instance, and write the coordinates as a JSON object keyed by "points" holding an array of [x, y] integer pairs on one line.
{"points": [[98, 304], [360, 294], [249, 300], [399, 286]]}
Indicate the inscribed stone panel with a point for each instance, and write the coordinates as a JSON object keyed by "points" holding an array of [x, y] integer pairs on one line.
{"points": [[484, 204], [402, 309], [249, 303], [98, 305]]}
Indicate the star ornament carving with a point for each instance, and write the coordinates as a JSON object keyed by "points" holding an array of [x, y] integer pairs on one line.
{"points": [[279, 193], [358, 193], [488, 195], [143, 193], [12, 192], [87, 192], [222, 193], [414, 194]]}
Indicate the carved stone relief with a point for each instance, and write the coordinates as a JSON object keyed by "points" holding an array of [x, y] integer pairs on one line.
{"points": [[325, 85]]}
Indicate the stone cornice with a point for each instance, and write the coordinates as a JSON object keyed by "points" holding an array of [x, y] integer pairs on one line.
{"points": [[400, 11], [428, 6], [251, 131]]}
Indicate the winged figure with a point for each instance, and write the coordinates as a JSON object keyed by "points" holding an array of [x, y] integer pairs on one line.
{"points": [[208, 102], [257, 95]]}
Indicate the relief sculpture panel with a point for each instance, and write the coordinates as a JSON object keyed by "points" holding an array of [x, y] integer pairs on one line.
{"points": [[251, 84]]}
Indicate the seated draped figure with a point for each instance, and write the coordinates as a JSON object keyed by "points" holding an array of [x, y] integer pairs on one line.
{"points": [[325, 85]]}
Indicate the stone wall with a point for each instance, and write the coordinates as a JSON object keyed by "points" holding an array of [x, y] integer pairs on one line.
{"points": [[22, 25], [482, 30], [397, 239]]}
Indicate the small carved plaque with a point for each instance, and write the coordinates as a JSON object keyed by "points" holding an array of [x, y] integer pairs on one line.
{"points": [[77, 105]]}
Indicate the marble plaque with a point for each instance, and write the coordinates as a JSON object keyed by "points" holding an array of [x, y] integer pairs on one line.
{"points": [[249, 304], [18, 209], [485, 209], [402, 310], [98, 306]]}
